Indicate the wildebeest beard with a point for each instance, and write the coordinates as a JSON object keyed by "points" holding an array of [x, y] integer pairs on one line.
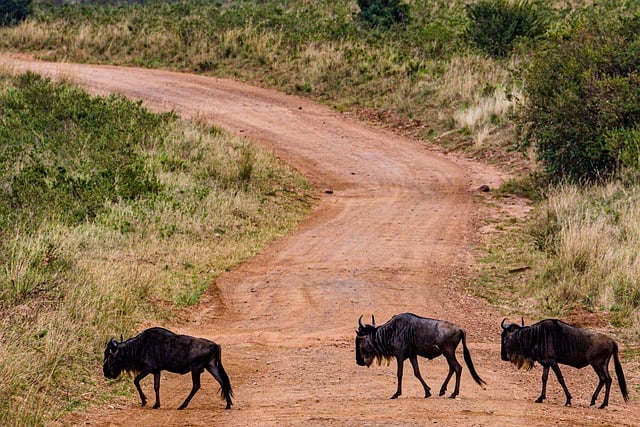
{"points": [[521, 362]]}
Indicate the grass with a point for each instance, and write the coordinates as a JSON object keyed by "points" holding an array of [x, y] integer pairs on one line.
{"points": [[83, 260], [578, 250], [69, 282], [424, 73]]}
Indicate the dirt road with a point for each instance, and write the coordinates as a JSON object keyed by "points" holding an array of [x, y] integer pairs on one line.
{"points": [[397, 233]]}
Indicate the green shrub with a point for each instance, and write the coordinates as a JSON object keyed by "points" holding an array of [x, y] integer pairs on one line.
{"points": [[68, 151], [496, 25], [14, 11], [384, 13], [582, 100]]}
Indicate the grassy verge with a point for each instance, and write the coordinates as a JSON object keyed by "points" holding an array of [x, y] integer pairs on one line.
{"points": [[111, 215], [577, 250], [424, 74]]}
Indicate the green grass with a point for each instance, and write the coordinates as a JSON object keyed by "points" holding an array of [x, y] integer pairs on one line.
{"points": [[186, 185], [112, 215], [426, 72], [577, 250]]}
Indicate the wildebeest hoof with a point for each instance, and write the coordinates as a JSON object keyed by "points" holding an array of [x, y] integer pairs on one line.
{"points": [[442, 392], [453, 395], [427, 394], [156, 406], [604, 405], [539, 400], [395, 396]]}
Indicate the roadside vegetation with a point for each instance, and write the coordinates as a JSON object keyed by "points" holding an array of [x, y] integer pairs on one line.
{"points": [[111, 215], [548, 90]]}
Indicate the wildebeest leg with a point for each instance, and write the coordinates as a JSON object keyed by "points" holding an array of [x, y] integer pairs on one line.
{"points": [[195, 379], [156, 388], [416, 372], [454, 366], [545, 376], [605, 379], [136, 382], [399, 391], [556, 369]]}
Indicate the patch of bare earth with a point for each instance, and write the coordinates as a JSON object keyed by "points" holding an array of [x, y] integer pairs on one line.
{"points": [[397, 234]]}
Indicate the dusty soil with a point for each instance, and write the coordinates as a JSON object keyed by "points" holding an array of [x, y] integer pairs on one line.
{"points": [[397, 233]]}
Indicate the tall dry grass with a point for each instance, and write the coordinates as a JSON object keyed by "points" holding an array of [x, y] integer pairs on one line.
{"points": [[66, 289], [422, 73], [587, 253]]}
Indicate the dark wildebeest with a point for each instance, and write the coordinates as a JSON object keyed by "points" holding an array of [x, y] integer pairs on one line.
{"points": [[157, 349], [407, 336], [550, 342]]}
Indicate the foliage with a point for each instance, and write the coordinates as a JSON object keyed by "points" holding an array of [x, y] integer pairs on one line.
{"points": [[495, 26], [586, 245], [582, 99], [313, 48], [384, 13], [65, 150], [128, 213], [14, 11]]}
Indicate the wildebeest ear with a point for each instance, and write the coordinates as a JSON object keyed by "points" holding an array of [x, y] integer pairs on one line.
{"points": [[522, 320]]}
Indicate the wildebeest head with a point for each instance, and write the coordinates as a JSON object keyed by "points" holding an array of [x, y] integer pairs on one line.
{"points": [[511, 347], [112, 366], [365, 351]]}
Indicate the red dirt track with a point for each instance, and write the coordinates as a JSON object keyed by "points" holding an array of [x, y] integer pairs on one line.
{"points": [[397, 234]]}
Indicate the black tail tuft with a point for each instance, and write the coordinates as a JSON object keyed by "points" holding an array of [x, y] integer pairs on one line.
{"points": [[621, 381], [467, 359]]}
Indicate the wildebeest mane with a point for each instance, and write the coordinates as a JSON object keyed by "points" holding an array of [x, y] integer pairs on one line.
{"points": [[132, 352], [383, 337], [541, 339], [380, 342], [520, 353]]}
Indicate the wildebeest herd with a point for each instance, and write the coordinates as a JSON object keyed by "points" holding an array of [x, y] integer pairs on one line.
{"points": [[549, 342]]}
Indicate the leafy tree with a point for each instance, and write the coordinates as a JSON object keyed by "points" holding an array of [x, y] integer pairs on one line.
{"points": [[582, 100], [14, 11], [384, 13], [496, 25]]}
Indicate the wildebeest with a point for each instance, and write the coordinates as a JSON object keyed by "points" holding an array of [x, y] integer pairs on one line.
{"points": [[407, 336], [158, 349], [551, 342]]}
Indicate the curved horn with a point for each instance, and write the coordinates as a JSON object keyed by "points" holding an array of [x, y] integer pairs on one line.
{"points": [[502, 323], [373, 321], [360, 322], [112, 344]]}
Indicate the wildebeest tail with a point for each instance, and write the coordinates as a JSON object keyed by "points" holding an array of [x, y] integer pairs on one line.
{"points": [[621, 381], [467, 359], [226, 392]]}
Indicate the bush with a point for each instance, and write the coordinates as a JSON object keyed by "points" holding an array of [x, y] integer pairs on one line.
{"points": [[496, 25], [68, 151], [384, 13], [582, 100], [14, 11]]}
